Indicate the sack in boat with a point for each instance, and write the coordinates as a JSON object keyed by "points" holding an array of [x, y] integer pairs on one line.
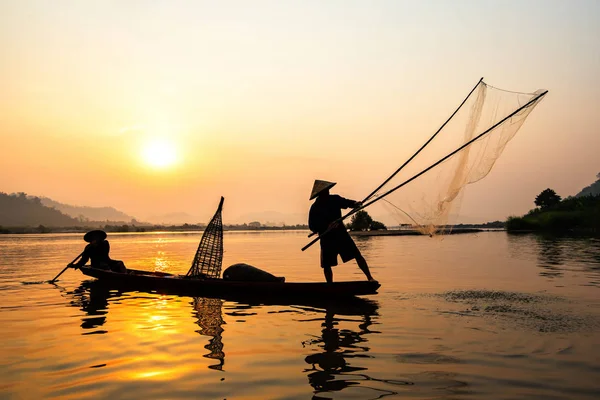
{"points": [[247, 273]]}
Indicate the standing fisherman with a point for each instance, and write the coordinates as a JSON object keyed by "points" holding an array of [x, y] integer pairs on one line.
{"points": [[323, 213]]}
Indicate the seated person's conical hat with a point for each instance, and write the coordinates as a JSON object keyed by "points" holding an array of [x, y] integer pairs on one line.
{"points": [[319, 186], [94, 235]]}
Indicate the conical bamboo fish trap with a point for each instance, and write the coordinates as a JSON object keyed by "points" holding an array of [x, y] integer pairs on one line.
{"points": [[209, 256]]}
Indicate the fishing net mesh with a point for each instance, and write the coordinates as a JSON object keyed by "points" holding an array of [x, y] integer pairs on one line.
{"points": [[431, 202], [209, 256]]}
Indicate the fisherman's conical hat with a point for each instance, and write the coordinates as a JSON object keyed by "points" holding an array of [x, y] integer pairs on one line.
{"points": [[94, 235], [319, 186]]}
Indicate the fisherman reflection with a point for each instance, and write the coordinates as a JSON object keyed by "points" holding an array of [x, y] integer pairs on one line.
{"points": [[92, 297], [210, 320], [332, 361], [331, 370]]}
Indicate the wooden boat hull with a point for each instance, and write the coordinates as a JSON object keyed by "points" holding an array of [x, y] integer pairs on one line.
{"points": [[169, 283]]}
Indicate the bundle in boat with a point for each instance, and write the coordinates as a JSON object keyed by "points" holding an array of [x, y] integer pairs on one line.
{"points": [[248, 273]]}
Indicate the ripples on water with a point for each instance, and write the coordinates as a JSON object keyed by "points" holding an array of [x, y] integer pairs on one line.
{"points": [[470, 316]]}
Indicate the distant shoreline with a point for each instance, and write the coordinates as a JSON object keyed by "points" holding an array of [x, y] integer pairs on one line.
{"points": [[414, 232], [141, 229], [240, 228]]}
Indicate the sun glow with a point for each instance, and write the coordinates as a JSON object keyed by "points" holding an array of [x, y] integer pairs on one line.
{"points": [[160, 153]]}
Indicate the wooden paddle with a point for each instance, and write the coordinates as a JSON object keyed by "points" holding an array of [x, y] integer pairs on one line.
{"points": [[68, 265]]}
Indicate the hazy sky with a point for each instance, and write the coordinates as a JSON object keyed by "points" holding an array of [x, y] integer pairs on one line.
{"points": [[253, 100]]}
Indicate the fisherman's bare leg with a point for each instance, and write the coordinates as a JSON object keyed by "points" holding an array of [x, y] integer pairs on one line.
{"points": [[328, 274], [362, 264]]}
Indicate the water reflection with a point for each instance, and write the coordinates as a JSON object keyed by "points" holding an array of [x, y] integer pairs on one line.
{"points": [[334, 363], [557, 255], [210, 320], [92, 298], [550, 256], [364, 243]]}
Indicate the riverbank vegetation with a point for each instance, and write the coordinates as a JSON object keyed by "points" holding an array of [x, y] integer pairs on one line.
{"points": [[144, 228], [362, 221], [553, 214]]}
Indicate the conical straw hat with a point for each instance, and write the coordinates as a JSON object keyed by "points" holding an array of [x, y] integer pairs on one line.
{"points": [[319, 186], [94, 235]]}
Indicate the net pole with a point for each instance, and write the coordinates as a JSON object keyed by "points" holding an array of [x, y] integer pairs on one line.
{"points": [[441, 160], [418, 151]]}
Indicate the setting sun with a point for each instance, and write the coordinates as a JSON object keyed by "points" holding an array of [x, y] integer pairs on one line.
{"points": [[159, 153]]}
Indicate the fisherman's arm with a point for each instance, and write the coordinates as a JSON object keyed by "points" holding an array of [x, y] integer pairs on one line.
{"points": [[84, 259], [347, 203]]}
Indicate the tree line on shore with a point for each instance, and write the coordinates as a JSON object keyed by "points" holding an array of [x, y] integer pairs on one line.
{"points": [[20, 213], [552, 213]]}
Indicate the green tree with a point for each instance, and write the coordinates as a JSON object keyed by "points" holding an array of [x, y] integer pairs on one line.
{"points": [[361, 221], [378, 226], [547, 198]]}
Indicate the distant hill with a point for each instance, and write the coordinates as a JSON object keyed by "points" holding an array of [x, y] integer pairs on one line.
{"points": [[593, 189], [21, 210], [88, 213]]}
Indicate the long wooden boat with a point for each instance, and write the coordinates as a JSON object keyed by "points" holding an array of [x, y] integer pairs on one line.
{"points": [[170, 283]]}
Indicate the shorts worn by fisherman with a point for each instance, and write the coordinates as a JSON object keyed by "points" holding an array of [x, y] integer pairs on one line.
{"points": [[337, 242], [97, 253], [323, 213]]}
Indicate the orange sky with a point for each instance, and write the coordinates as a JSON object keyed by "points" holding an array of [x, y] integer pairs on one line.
{"points": [[254, 100]]}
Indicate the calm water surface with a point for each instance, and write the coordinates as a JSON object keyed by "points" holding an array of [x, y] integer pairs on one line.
{"points": [[471, 316]]}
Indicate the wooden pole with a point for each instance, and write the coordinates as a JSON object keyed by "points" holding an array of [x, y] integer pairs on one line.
{"points": [[68, 265]]}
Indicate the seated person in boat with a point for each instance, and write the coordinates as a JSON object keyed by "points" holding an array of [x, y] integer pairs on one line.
{"points": [[326, 209], [97, 251]]}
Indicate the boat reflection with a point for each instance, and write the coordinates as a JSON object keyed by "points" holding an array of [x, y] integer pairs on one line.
{"points": [[93, 297], [337, 354]]}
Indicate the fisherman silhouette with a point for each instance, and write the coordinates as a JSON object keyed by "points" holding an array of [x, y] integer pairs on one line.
{"points": [[97, 251], [324, 213]]}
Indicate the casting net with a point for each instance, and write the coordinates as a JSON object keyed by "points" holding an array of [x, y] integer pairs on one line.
{"points": [[430, 203]]}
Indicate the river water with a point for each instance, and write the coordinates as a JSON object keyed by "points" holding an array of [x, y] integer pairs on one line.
{"points": [[485, 315]]}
